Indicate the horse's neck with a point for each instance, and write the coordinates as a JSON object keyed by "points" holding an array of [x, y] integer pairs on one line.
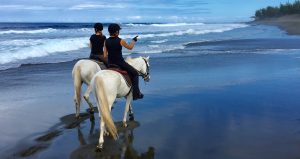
{"points": [[134, 63]]}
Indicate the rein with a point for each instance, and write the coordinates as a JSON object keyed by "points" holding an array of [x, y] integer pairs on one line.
{"points": [[145, 75]]}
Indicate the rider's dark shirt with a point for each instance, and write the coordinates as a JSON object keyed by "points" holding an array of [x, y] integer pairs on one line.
{"points": [[97, 42], [114, 49]]}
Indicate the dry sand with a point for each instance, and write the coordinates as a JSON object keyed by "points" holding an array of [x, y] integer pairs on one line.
{"points": [[289, 23]]}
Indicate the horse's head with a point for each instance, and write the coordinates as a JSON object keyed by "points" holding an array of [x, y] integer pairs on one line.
{"points": [[145, 72], [141, 64]]}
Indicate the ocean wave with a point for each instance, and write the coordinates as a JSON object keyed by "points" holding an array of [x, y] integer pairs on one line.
{"points": [[38, 31], [41, 48], [153, 46], [48, 63], [85, 29], [248, 44], [21, 42], [159, 41], [155, 50], [134, 24], [214, 29], [34, 26], [175, 24], [164, 24]]}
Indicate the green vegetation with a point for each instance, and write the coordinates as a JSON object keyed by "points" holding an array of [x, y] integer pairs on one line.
{"points": [[284, 9]]}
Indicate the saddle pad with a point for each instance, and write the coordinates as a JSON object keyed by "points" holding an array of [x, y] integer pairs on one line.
{"points": [[101, 64], [124, 74]]}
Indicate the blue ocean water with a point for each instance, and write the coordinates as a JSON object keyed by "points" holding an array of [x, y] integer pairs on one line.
{"points": [[35, 43]]}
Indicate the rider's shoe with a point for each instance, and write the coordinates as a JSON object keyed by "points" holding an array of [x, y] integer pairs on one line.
{"points": [[139, 96]]}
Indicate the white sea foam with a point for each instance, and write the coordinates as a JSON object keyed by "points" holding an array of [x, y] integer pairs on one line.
{"points": [[85, 29], [166, 24], [38, 31], [131, 24], [153, 46], [42, 48], [176, 24], [18, 42], [159, 41], [161, 50], [205, 30]]}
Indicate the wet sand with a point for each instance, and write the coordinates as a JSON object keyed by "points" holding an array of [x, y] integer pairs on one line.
{"points": [[199, 106], [289, 23]]}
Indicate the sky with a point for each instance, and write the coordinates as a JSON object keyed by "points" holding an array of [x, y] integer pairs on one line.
{"points": [[163, 11]]}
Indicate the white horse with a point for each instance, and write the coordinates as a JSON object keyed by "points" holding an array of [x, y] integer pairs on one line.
{"points": [[109, 85], [83, 71]]}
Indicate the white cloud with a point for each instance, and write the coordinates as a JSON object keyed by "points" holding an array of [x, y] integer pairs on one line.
{"points": [[25, 7], [95, 6], [134, 17]]}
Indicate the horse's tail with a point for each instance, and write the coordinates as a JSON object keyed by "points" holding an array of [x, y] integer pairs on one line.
{"points": [[103, 106], [77, 84]]}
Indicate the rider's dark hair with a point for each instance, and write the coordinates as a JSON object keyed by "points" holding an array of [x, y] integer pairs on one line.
{"points": [[98, 27], [113, 28]]}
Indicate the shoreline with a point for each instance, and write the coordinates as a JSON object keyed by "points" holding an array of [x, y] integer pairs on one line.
{"points": [[288, 23]]}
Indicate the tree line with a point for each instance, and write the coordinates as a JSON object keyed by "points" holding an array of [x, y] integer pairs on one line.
{"points": [[284, 9]]}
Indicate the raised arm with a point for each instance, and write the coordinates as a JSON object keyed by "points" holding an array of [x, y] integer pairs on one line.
{"points": [[128, 46], [105, 53]]}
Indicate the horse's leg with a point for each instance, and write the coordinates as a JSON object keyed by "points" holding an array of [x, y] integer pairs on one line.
{"points": [[105, 101], [101, 139], [131, 115], [87, 99], [92, 119], [128, 103], [103, 130], [77, 87]]}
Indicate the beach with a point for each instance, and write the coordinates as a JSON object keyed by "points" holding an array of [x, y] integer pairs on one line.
{"points": [[232, 95], [289, 23]]}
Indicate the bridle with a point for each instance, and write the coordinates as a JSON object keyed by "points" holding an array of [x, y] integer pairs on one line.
{"points": [[146, 76]]}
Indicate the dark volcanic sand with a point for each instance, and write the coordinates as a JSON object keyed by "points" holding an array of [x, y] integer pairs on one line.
{"points": [[289, 23]]}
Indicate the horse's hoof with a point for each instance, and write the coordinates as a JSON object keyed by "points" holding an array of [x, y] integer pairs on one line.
{"points": [[92, 111], [77, 117], [106, 133], [131, 117], [99, 149], [124, 125]]}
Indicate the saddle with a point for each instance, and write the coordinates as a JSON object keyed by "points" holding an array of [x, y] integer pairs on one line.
{"points": [[117, 69], [122, 72]]}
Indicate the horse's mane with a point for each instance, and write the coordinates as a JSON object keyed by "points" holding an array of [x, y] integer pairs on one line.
{"points": [[130, 59]]}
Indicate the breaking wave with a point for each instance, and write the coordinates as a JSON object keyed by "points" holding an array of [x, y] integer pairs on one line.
{"points": [[40, 48], [38, 31]]}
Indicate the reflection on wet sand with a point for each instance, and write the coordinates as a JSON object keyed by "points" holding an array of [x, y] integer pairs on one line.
{"points": [[122, 148], [88, 138]]}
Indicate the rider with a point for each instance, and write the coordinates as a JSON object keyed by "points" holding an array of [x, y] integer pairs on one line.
{"points": [[113, 45], [96, 44]]}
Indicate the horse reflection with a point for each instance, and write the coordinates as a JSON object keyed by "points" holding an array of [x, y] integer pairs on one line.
{"points": [[122, 148]]}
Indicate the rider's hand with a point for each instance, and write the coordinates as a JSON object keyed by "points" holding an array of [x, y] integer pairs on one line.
{"points": [[135, 38]]}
